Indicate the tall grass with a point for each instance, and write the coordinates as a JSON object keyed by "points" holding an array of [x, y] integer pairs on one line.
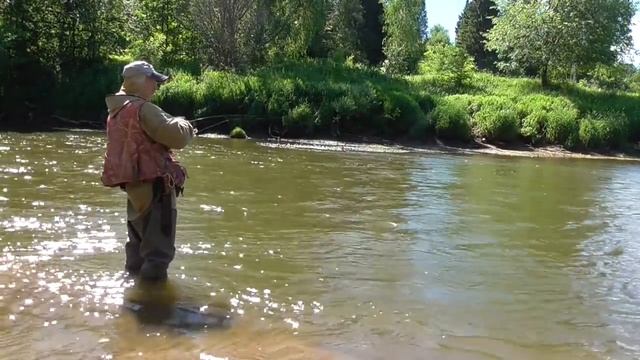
{"points": [[307, 99], [518, 109], [325, 98]]}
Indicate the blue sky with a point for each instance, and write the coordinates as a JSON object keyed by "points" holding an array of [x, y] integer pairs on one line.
{"points": [[446, 12]]}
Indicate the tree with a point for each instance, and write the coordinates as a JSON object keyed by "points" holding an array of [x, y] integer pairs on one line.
{"points": [[297, 28], [224, 25], [404, 24], [371, 32], [561, 34], [474, 23], [163, 31], [438, 36], [344, 24], [449, 66]]}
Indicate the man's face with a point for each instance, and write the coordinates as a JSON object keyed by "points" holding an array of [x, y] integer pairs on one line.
{"points": [[150, 87]]}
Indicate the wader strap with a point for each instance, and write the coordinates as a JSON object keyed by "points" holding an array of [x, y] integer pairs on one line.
{"points": [[164, 197]]}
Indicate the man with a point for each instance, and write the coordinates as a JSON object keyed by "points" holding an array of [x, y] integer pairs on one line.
{"points": [[139, 160]]}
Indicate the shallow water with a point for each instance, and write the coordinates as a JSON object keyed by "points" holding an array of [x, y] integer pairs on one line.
{"points": [[326, 254]]}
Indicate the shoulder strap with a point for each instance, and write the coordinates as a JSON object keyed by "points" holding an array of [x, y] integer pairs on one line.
{"points": [[127, 103]]}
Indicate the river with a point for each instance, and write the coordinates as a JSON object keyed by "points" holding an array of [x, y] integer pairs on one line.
{"points": [[326, 254]]}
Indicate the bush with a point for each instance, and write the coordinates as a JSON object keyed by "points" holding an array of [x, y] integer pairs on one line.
{"points": [[562, 126], [609, 77], [222, 93], [495, 119], [180, 96], [548, 119], [603, 130], [533, 126], [300, 119], [238, 133], [452, 120], [402, 113], [449, 67]]}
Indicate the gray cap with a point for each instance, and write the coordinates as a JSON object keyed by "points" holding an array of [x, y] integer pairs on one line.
{"points": [[143, 68]]}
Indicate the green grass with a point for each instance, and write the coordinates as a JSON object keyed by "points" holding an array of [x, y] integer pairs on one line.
{"points": [[310, 98], [518, 109], [316, 98]]}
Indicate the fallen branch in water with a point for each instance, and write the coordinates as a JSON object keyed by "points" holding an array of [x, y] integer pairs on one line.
{"points": [[75, 122]]}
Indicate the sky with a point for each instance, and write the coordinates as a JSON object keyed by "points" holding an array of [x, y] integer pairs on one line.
{"points": [[446, 13]]}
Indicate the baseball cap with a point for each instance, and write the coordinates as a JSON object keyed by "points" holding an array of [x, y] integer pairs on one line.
{"points": [[143, 68]]}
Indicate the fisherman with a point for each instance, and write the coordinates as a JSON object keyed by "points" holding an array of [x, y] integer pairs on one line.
{"points": [[140, 161]]}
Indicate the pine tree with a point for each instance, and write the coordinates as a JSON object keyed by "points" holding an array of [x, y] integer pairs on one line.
{"points": [[371, 33], [473, 24]]}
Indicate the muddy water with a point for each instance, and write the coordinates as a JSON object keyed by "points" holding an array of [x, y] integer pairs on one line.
{"points": [[325, 254]]}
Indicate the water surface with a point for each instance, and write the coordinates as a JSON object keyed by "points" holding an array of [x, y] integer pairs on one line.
{"points": [[326, 254]]}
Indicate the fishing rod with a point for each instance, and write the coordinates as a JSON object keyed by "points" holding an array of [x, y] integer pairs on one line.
{"points": [[212, 126], [226, 120], [226, 116]]}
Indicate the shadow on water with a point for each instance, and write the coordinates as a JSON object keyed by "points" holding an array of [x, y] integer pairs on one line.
{"points": [[160, 304]]}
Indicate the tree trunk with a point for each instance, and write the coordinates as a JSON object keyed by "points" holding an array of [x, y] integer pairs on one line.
{"points": [[544, 76]]}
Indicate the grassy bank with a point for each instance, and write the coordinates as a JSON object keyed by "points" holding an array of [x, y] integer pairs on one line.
{"points": [[309, 99], [325, 99], [322, 98], [507, 109]]}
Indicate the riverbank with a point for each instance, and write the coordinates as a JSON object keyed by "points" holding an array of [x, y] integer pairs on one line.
{"points": [[322, 99], [378, 145], [436, 147]]}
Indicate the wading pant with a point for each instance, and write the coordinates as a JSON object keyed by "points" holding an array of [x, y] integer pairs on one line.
{"points": [[152, 234]]}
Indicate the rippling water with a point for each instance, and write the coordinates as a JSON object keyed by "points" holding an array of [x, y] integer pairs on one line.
{"points": [[326, 254]]}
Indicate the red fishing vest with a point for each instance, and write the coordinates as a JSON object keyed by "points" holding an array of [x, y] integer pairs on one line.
{"points": [[132, 156]]}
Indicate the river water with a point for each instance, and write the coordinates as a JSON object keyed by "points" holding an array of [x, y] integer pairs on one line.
{"points": [[326, 254]]}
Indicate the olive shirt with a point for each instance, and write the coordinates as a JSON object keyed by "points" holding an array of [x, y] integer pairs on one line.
{"points": [[173, 132]]}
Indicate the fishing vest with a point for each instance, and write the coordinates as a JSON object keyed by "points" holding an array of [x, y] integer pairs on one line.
{"points": [[132, 156]]}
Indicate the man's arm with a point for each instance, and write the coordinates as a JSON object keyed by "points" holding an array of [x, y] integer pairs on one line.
{"points": [[173, 132]]}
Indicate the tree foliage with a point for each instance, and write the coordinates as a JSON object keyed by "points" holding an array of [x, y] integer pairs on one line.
{"points": [[438, 35], [163, 31], [371, 33], [405, 26], [344, 25], [224, 26], [561, 34], [474, 23], [450, 66]]}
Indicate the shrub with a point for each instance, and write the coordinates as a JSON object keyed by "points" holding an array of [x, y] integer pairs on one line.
{"points": [[300, 119], [495, 119], [402, 112], [452, 120], [601, 130], [533, 126], [238, 133], [609, 77], [547, 119], [561, 128], [180, 96], [310, 98], [449, 66]]}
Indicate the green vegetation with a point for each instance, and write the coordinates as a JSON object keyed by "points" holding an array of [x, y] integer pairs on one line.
{"points": [[238, 133], [336, 68], [307, 98], [474, 23]]}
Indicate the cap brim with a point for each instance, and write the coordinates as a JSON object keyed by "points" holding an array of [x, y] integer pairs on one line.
{"points": [[159, 77]]}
